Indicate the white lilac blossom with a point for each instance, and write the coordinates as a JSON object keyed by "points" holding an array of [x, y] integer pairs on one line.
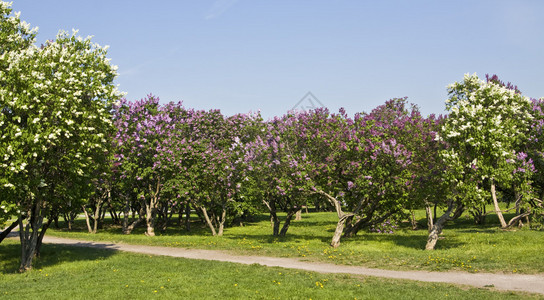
{"points": [[488, 122], [58, 89]]}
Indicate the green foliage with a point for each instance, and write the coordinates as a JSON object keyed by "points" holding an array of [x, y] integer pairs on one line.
{"points": [[59, 149], [54, 123], [485, 128], [55, 101], [15, 36]]}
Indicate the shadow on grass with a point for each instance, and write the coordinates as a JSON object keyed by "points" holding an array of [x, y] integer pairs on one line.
{"points": [[417, 242], [79, 226], [324, 223], [477, 230], [270, 239], [413, 241], [197, 228], [51, 254]]}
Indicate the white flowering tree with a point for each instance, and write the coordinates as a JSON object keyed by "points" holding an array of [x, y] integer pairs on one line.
{"points": [[487, 124], [56, 114], [14, 35]]}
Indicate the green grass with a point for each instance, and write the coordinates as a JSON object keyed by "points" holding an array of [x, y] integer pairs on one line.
{"points": [[65, 272], [465, 247]]}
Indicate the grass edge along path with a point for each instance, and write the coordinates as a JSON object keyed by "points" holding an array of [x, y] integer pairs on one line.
{"points": [[503, 282], [71, 272], [466, 247]]}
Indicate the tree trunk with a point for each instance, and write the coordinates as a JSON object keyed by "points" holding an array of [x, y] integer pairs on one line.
{"points": [[435, 214], [437, 228], [518, 218], [413, 220], [151, 209], [430, 219], [114, 215], [350, 224], [275, 223], [298, 215], [181, 209], [28, 235], [40, 237], [150, 218], [6, 231], [286, 224], [439, 224], [97, 215], [342, 218], [366, 222], [479, 214], [168, 218], [102, 216], [208, 221], [335, 242], [496, 204], [528, 221], [222, 221], [56, 220], [188, 217], [69, 218], [127, 228], [274, 220], [28, 249], [87, 219], [126, 213]]}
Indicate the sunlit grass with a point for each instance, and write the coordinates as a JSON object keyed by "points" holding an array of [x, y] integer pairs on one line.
{"points": [[465, 246], [65, 272]]}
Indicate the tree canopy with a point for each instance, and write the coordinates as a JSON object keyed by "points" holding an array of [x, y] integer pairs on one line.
{"points": [[56, 103]]}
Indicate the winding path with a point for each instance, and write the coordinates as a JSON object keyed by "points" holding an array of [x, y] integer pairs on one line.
{"points": [[504, 282]]}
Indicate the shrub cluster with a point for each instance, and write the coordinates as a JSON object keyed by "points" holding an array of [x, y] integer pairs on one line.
{"points": [[69, 143]]}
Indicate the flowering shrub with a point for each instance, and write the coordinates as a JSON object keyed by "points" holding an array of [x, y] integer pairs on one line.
{"points": [[357, 164], [167, 152], [143, 156], [66, 139], [486, 130], [533, 160], [56, 101], [488, 122]]}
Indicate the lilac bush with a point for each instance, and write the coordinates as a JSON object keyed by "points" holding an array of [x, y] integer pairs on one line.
{"points": [[167, 155], [354, 164], [144, 162]]}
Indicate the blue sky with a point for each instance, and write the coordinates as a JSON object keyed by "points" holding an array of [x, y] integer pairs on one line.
{"points": [[249, 55]]}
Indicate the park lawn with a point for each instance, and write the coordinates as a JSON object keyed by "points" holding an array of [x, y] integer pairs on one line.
{"points": [[67, 272], [465, 247]]}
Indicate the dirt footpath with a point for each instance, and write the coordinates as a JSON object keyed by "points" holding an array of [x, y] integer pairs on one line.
{"points": [[504, 282]]}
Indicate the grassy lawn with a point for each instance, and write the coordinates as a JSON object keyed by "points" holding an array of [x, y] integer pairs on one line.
{"points": [[65, 272], [465, 247]]}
